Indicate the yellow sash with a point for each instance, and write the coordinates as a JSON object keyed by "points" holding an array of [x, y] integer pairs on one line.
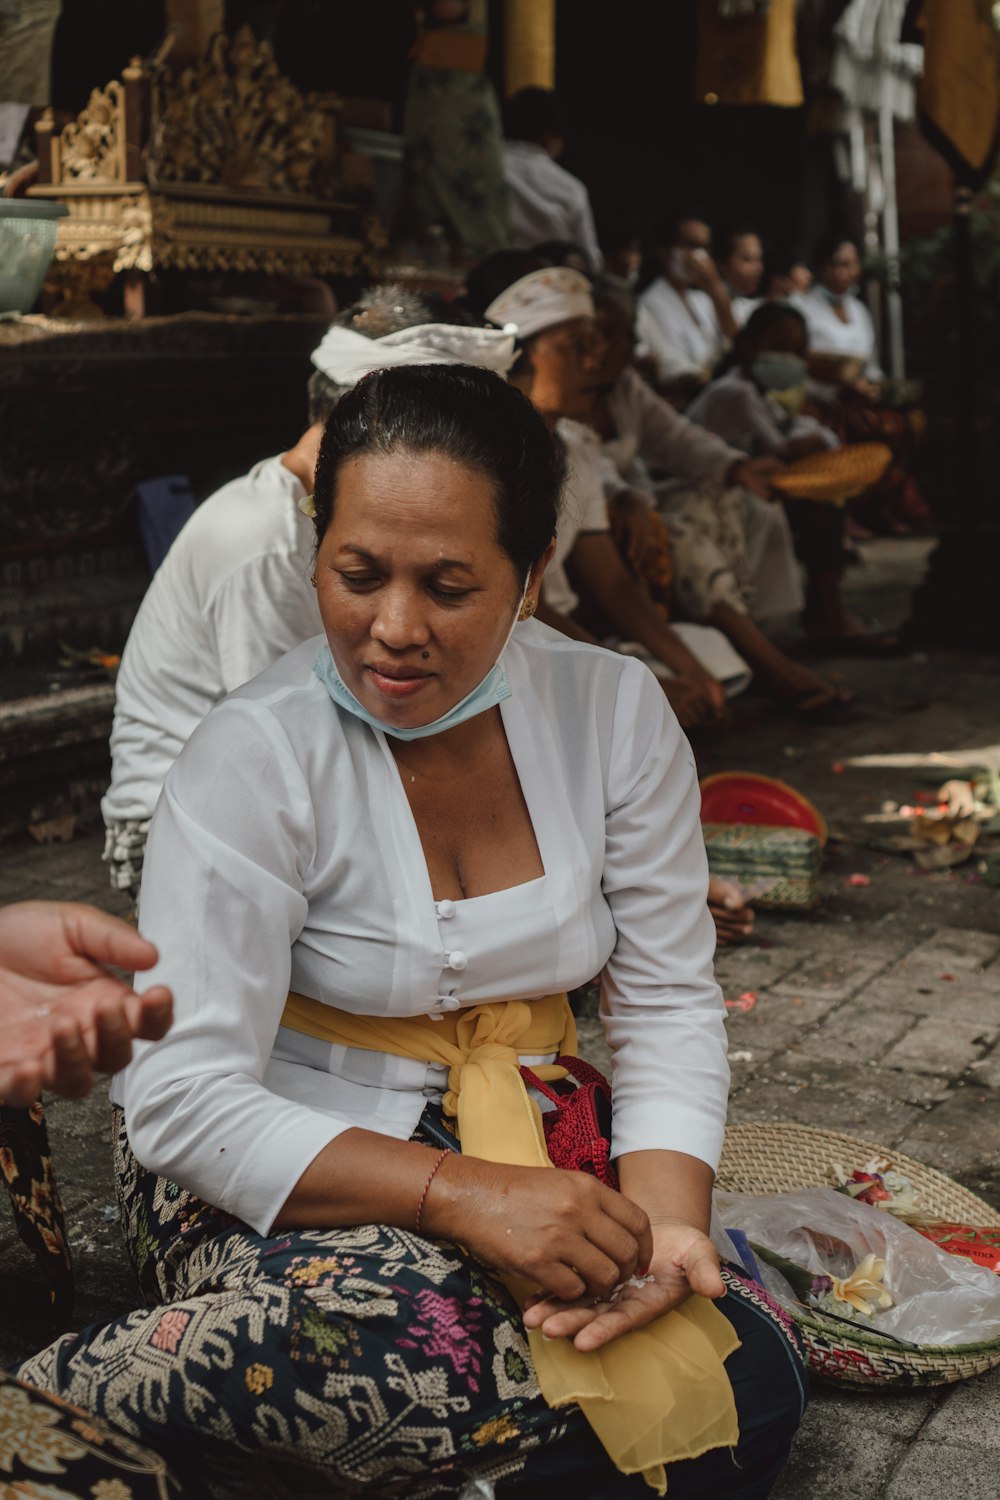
{"points": [[653, 1396]]}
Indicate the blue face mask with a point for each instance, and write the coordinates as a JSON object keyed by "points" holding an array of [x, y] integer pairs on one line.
{"points": [[778, 372], [493, 689]]}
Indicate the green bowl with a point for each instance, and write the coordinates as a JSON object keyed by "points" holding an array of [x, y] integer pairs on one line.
{"points": [[27, 239]]}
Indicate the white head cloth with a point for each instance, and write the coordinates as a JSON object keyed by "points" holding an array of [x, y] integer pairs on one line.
{"points": [[542, 299], [345, 357]]}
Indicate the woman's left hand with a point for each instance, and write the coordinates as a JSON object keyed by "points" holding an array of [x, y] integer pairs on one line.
{"points": [[684, 1262]]}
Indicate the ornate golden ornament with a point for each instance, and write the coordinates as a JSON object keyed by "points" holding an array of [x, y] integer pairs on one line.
{"points": [[224, 167]]}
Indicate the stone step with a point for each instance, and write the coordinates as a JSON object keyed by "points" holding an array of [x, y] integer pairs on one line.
{"points": [[54, 757], [44, 607]]}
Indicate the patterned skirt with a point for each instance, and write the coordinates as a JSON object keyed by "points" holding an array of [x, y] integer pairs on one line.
{"points": [[338, 1362]]}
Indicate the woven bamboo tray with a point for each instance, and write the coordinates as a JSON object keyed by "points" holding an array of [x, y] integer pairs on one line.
{"points": [[836, 475], [781, 1158]]}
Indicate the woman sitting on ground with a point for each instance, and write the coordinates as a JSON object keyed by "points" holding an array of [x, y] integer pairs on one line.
{"points": [[844, 360], [687, 314], [373, 873], [734, 564], [756, 405], [840, 326], [740, 258], [559, 348]]}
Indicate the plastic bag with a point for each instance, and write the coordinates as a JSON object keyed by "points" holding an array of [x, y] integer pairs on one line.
{"points": [[939, 1298], [478, 1489]]}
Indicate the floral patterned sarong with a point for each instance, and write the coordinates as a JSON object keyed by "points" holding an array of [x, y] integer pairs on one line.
{"points": [[52, 1451]]}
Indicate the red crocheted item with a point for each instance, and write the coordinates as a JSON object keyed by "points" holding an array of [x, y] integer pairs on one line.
{"points": [[577, 1130]]}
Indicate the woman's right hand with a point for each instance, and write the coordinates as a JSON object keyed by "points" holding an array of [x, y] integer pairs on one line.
{"points": [[564, 1232]]}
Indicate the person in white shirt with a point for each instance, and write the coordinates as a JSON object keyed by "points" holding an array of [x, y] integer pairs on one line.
{"points": [[551, 312], [373, 873], [546, 202], [230, 597], [687, 314], [849, 381], [756, 406], [233, 593], [740, 257], [734, 564], [840, 325]]}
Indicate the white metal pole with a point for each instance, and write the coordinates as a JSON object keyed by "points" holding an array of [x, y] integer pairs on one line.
{"points": [[890, 209]]}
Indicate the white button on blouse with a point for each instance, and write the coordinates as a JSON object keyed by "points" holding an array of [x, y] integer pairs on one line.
{"points": [[445, 909], [256, 882]]}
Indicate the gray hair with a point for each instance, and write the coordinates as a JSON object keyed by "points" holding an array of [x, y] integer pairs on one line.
{"points": [[379, 310]]}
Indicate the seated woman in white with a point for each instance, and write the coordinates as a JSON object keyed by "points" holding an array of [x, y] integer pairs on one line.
{"points": [[551, 312], [838, 321], [756, 405], [740, 258], [372, 874], [734, 565], [686, 309]]}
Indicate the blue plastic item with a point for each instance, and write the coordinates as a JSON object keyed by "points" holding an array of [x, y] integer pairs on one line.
{"points": [[164, 504]]}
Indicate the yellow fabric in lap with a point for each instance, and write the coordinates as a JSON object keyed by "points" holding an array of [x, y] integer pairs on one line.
{"points": [[653, 1396]]}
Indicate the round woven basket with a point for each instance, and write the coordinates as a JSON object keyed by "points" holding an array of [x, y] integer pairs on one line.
{"points": [[781, 1158], [837, 475]]}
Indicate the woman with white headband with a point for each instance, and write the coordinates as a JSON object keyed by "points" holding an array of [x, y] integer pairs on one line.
{"points": [[373, 875], [551, 313]]}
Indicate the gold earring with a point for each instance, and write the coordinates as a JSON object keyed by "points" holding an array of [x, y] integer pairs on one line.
{"points": [[527, 609], [312, 579]]}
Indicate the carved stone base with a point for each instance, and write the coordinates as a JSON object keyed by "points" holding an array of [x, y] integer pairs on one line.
{"points": [[89, 410]]}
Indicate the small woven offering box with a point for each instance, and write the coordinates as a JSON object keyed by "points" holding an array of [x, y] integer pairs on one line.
{"points": [[777, 867]]}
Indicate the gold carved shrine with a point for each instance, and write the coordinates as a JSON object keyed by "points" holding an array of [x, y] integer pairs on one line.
{"points": [[225, 166]]}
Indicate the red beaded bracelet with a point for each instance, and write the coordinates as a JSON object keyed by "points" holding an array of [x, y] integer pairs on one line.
{"points": [[423, 1195]]}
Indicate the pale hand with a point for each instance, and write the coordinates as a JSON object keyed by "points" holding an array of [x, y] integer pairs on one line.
{"points": [[702, 271], [732, 916], [63, 1016], [684, 1262]]}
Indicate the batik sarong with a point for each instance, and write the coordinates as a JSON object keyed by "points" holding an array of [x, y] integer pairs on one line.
{"points": [[336, 1362]]}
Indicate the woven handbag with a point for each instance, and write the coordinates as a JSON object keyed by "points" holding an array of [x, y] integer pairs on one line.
{"points": [[578, 1130]]}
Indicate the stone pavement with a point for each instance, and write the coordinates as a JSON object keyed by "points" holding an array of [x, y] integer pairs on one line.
{"points": [[878, 1014]]}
